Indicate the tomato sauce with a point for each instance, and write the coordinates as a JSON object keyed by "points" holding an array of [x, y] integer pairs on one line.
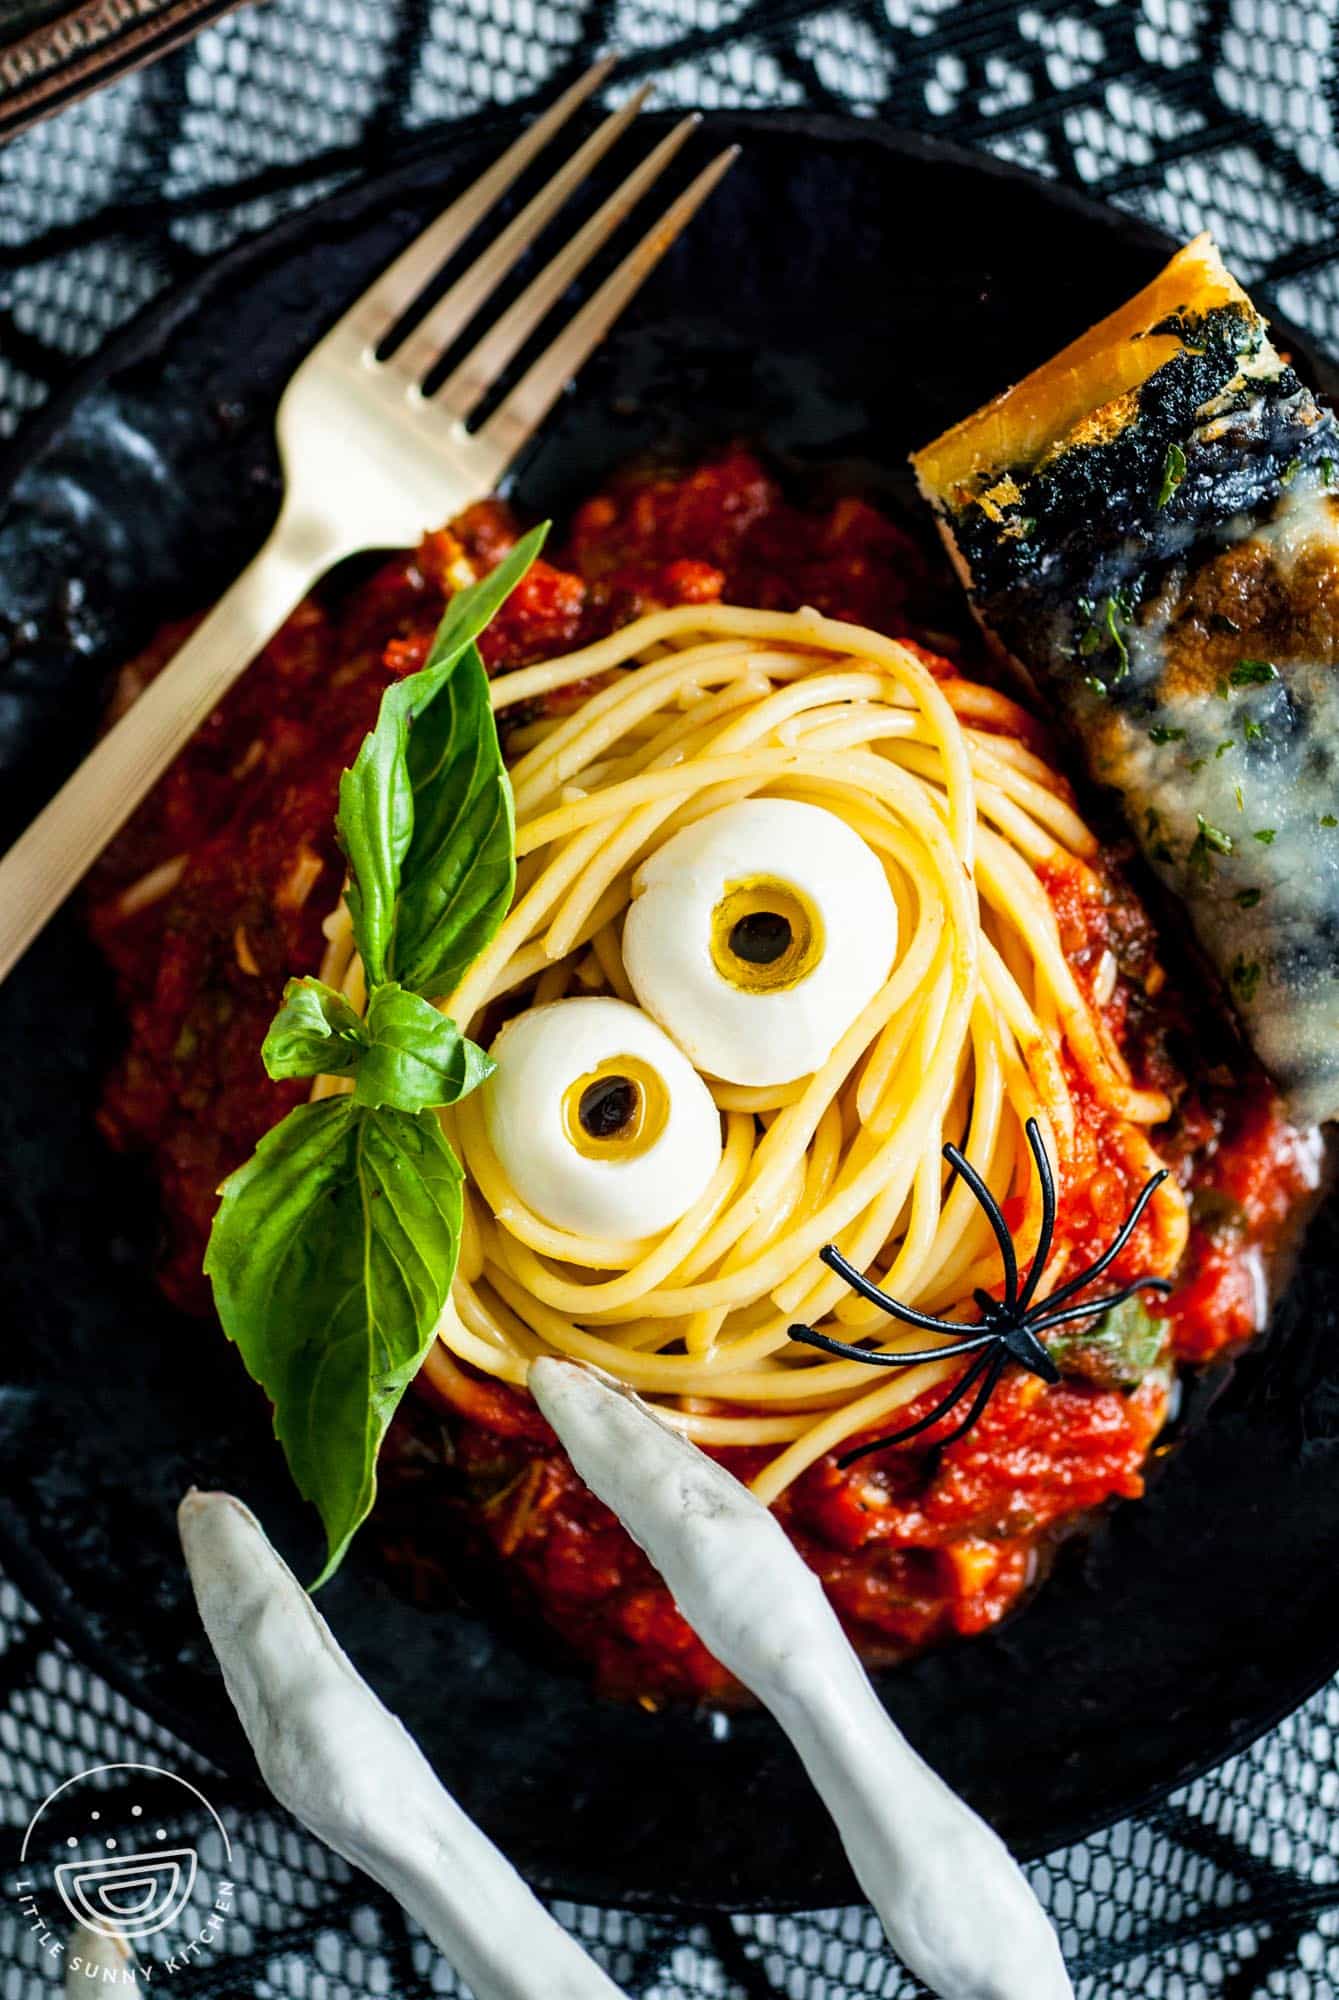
{"points": [[216, 892]]}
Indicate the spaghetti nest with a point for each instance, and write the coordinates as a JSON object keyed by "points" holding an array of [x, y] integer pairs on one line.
{"points": [[981, 1024]]}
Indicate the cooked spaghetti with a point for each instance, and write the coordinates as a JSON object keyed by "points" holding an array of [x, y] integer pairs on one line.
{"points": [[972, 1034]]}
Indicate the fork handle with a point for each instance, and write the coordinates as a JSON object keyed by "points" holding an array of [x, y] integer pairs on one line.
{"points": [[54, 853]]}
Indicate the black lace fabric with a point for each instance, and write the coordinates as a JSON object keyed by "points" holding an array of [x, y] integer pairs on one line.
{"points": [[1193, 113]]}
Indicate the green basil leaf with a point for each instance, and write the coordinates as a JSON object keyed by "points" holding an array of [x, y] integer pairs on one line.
{"points": [[1117, 1352], [472, 610], [459, 874], [315, 1033], [415, 1058], [331, 1258], [460, 871], [374, 825], [380, 794]]}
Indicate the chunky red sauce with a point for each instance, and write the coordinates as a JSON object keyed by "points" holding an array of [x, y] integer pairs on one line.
{"points": [[242, 827]]}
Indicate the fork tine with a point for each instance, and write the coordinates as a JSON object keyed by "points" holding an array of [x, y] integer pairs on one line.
{"points": [[453, 313], [389, 296], [518, 415], [483, 365]]}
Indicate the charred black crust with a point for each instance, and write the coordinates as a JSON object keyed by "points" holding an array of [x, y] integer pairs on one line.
{"points": [[1063, 535]]}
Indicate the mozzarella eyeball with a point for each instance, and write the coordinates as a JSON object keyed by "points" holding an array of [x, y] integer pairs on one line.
{"points": [[598, 1121], [757, 935]]}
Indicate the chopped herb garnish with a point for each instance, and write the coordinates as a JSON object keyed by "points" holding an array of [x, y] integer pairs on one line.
{"points": [[1208, 841], [1245, 976], [1103, 630], [1223, 691], [1253, 673], [1197, 764], [1290, 471], [1240, 797], [1246, 899], [1328, 819], [1327, 471], [1224, 747], [1252, 731], [1218, 1213], [1173, 472], [1116, 638], [1097, 686], [1115, 1353], [1164, 735], [1265, 835]]}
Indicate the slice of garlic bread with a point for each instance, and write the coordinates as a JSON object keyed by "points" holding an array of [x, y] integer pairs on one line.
{"points": [[1149, 526]]}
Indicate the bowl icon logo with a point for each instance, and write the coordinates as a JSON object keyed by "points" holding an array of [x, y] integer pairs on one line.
{"points": [[128, 1852], [128, 1895]]}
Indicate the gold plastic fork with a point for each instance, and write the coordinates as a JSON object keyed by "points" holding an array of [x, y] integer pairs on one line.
{"points": [[370, 461]]}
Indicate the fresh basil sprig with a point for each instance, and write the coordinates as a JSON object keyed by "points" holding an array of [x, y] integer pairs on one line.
{"points": [[335, 1245], [402, 1053]]}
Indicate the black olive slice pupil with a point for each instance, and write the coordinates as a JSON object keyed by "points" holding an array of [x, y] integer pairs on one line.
{"points": [[761, 938], [608, 1107]]}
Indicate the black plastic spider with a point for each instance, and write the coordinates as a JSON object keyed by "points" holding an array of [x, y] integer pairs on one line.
{"points": [[1008, 1329]]}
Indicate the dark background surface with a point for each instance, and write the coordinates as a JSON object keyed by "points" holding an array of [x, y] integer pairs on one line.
{"points": [[18, 16], [1193, 1862]]}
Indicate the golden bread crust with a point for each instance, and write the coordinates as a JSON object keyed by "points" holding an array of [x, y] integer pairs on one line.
{"points": [[1085, 392]]}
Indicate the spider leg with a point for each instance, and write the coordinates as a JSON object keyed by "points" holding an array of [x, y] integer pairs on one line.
{"points": [[1113, 1249], [990, 1208], [983, 1395], [941, 1409], [1093, 1306], [810, 1338], [1047, 1236], [832, 1257]]}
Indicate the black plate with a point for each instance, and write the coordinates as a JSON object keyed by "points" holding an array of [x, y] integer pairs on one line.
{"points": [[846, 293]]}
